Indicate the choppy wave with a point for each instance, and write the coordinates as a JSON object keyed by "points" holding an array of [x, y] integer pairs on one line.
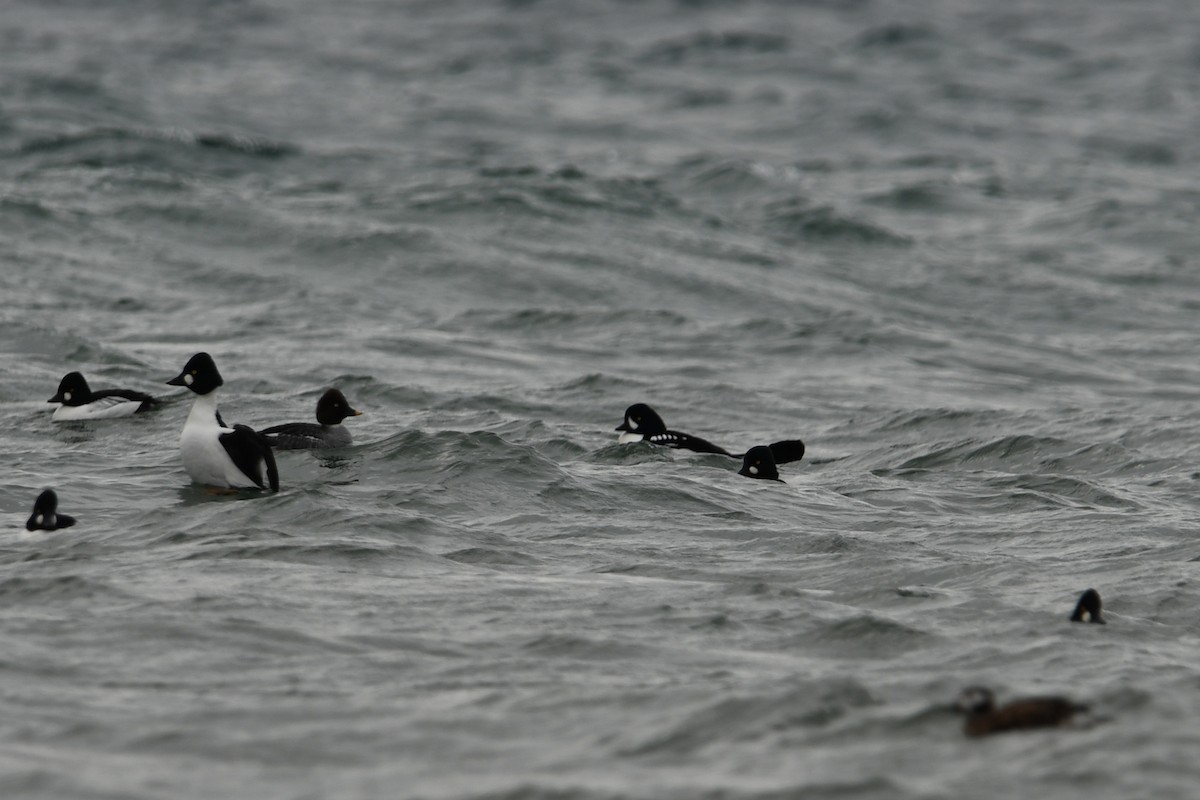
{"points": [[99, 145], [799, 219]]}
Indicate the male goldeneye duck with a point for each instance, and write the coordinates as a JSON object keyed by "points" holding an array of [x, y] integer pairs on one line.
{"points": [[643, 424], [328, 431], [759, 463], [983, 718], [214, 454], [45, 515], [1088, 608], [79, 402]]}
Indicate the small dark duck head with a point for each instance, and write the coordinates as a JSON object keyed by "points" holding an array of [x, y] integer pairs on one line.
{"points": [[199, 374], [73, 390], [1088, 608], [759, 463], [641, 418], [332, 408], [45, 515], [983, 718]]}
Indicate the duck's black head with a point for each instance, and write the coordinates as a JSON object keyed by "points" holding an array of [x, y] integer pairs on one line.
{"points": [[332, 408], [1088, 608], [45, 514], [199, 374], [641, 418], [73, 390], [976, 700], [759, 463]]}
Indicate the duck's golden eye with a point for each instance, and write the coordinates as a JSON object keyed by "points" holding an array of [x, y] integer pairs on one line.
{"points": [[195, 372]]}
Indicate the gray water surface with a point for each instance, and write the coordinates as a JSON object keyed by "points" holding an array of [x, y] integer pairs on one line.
{"points": [[950, 245]]}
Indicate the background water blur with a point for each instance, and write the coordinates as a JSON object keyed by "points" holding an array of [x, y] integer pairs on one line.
{"points": [[950, 244]]}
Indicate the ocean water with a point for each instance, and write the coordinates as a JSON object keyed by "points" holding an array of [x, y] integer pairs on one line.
{"points": [[950, 244]]}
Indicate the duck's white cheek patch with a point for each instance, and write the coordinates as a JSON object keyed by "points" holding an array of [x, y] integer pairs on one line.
{"points": [[754, 470], [188, 380], [626, 437], [38, 521], [66, 395], [633, 426]]}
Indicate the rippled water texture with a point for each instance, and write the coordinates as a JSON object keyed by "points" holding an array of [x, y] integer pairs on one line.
{"points": [[950, 245]]}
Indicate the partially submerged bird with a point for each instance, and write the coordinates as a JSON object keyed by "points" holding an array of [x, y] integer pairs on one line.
{"points": [[1088, 608], [328, 431], [78, 401], [643, 424], [214, 454], [983, 718], [45, 515], [759, 463]]}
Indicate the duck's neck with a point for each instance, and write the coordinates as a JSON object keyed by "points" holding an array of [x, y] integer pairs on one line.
{"points": [[204, 410]]}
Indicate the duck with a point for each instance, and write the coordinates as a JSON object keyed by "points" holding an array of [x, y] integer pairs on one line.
{"points": [[1088, 608], [759, 463], [643, 424], [77, 401], [45, 515], [984, 718], [328, 431], [215, 454]]}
